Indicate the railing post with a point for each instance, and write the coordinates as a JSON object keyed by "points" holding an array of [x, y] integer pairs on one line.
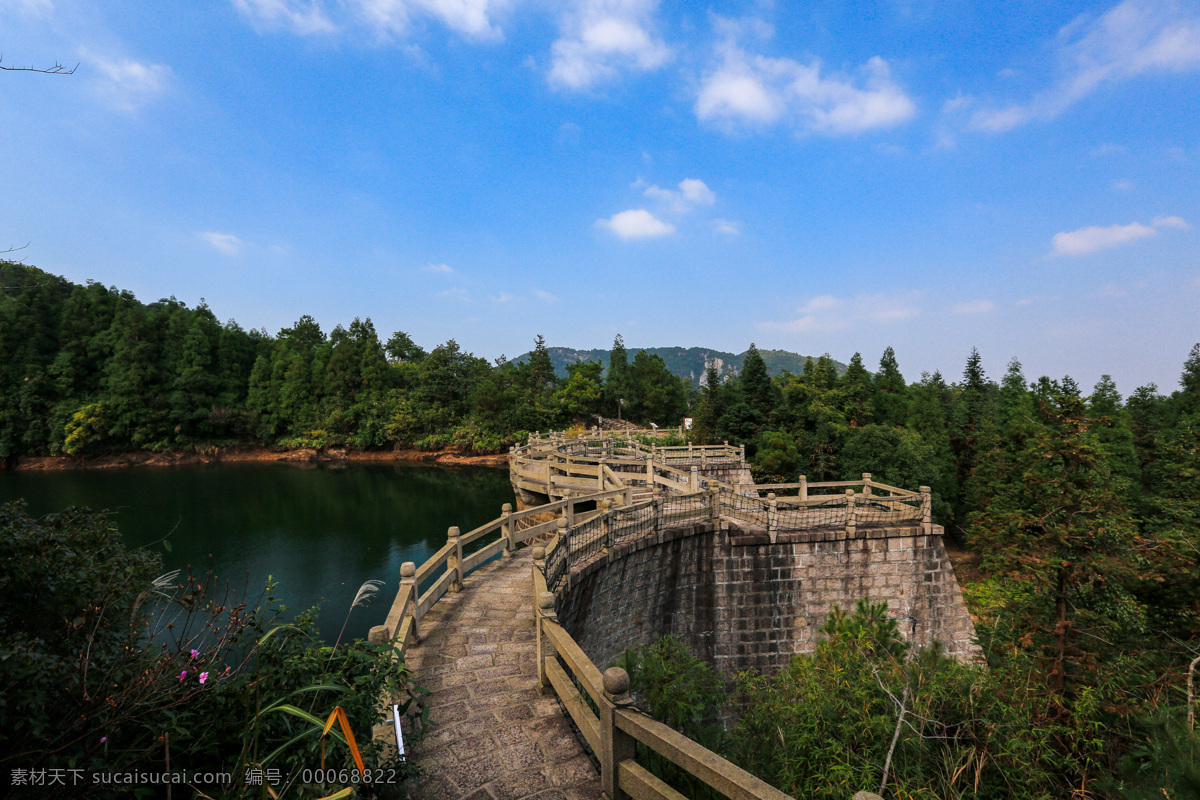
{"points": [[545, 612], [803, 487], [866, 484], [600, 475], [569, 511], [606, 523], [704, 458], [408, 571], [742, 453], [650, 472], [714, 505], [695, 480], [851, 513], [772, 516], [454, 561], [615, 745], [539, 565], [926, 510], [506, 529]]}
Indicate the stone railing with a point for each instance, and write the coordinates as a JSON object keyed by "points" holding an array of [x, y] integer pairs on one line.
{"points": [[611, 725], [423, 586]]}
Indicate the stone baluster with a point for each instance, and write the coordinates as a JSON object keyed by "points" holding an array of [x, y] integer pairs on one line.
{"points": [[772, 516], [866, 484], [695, 479], [803, 487], [545, 613], [408, 582], [742, 453], [926, 510], [539, 565], [606, 527], [851, 513], [616, 746], [569, 511], [454, 560], [506, 530]]}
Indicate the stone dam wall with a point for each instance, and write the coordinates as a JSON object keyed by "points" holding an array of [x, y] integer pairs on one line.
{"points": [[742, 602]]}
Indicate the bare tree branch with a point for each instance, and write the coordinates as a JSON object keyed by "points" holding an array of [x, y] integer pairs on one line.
{"points": [[57, 69]]}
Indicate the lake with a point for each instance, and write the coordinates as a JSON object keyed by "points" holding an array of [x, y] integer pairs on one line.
{"points": [[318, 530]]}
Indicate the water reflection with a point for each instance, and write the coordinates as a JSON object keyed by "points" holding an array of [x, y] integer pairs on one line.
{"points": [[319, 530]]}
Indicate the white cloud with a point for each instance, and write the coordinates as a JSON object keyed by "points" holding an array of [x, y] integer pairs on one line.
{"points": [[125, 84], [472, 18], [1123, 185], [756, 90], [637, 223], [225, 243], [1171, 222], [727, 227], [1089, 240], [503, 297], [456, 294], [32, 8], [826, 313], [542, 294], [973, 307], [298, 16], [1135, 37], [442, 269], [692, 192], [600, 39]]}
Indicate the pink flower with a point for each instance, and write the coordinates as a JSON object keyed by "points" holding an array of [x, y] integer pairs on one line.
{"points": [[103, 739], [183, 675], [195, 654], [203, 677]]}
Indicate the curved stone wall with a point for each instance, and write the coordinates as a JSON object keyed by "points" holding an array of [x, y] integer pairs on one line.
{"points": [[742, 602]]}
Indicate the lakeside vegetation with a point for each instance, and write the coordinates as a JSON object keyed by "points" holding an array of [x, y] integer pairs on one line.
{"points": [[1083, 509]]}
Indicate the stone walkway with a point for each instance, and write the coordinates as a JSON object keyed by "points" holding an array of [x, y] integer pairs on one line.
{"points": [[497, 736]]}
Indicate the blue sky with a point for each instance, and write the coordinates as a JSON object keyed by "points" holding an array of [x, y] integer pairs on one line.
{"points": [[821, 177]]}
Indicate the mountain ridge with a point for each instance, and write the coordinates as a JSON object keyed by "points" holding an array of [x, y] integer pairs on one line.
{"points": [[688, 363]]}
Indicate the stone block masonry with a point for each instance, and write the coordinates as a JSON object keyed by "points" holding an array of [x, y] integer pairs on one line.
{"points": [[742, 602]]}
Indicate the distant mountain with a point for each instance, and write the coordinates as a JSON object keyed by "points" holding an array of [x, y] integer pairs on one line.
{"points": [[689, 363]]}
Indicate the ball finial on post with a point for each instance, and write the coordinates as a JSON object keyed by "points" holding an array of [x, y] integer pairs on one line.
{"points": [[616, 682]]}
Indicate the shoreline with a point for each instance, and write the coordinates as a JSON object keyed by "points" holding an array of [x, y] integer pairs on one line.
{"points": [[243, 454]]}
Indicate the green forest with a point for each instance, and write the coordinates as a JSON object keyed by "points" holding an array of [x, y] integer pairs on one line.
{"points": [[1080, 508]]}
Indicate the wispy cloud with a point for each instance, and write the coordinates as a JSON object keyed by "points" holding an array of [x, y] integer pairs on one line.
{"points": [[456, 294], [1135, 37], [544, 296], [1089, 240], [692, 192], [636, 223], [727, 227], [973, 307], [472, 18], [125, 84], [441, 269], [303, 17], [601, 39], [827, 313], [225, 243], [503, 297], [753, 90]]}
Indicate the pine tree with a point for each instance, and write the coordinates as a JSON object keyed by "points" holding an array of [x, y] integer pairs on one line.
{"points": [[857, 391], [890, 400], [1060, 526]]}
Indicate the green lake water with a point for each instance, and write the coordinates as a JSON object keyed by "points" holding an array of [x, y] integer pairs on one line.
{"points": [[318, 530]]}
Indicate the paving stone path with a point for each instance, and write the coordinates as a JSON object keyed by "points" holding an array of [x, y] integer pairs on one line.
{"points": [[497, 736]]}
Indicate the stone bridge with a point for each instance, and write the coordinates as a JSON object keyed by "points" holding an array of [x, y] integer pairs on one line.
{"points": [[619, 543]]}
